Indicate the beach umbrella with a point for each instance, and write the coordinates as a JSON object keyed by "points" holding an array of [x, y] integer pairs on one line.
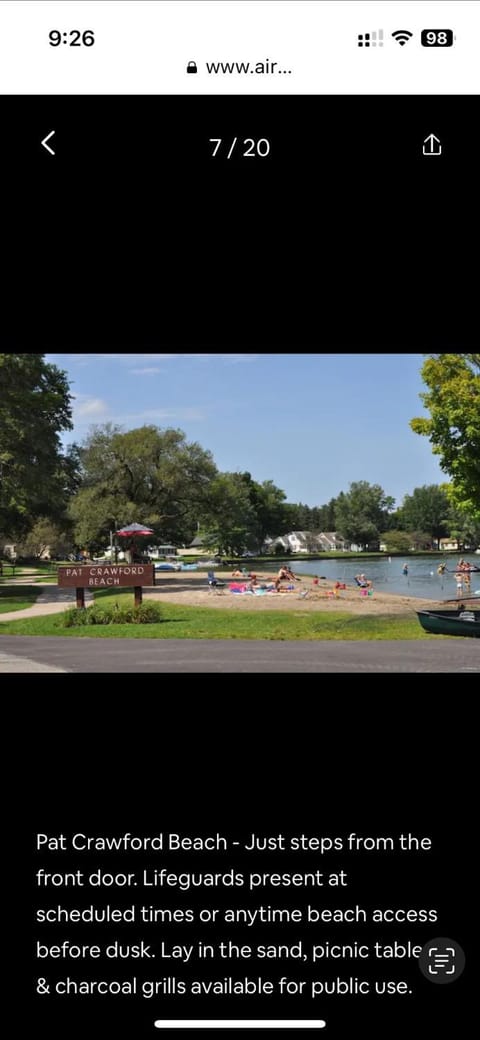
{"points": [[133, 530]]}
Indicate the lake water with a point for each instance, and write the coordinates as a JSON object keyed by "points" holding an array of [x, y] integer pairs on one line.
{"points": [[422, 579]]}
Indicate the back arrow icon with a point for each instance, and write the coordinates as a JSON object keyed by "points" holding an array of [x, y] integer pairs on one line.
{"points": [[47, 146]]}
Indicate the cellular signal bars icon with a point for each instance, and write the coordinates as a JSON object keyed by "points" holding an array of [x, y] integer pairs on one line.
{"points": [[371, 39]]}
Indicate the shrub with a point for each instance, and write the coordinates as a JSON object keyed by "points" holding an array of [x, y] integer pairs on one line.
{"points": [[146, 614]]}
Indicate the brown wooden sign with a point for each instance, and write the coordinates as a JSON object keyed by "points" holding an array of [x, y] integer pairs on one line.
{"points": [[122, 576]]}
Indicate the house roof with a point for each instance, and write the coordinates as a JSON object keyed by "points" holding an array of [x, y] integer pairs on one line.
{"points": [[331, 538]]}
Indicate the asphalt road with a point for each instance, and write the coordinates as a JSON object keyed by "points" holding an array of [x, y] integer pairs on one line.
{"points": [[50, 654]]}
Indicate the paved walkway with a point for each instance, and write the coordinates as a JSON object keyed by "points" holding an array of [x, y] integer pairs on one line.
{"points": [[51, 601], [11, 663]]}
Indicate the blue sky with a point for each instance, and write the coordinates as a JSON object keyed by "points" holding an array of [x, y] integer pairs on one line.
{"points": [[312, 423]]}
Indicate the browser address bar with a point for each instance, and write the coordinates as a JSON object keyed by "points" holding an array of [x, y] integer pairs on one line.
{"points": [[239, 47]]}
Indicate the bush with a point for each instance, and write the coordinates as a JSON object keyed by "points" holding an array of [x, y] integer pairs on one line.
{"points": [[146, 614]]}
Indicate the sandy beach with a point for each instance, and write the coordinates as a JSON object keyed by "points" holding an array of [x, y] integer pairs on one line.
{"points": [[191, 589]]}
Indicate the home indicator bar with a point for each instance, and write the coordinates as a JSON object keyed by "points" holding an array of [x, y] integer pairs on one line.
{"points": [[240, 1023]]}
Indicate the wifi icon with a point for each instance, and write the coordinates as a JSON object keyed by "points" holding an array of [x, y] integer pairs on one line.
{"points": [[402, 36]]}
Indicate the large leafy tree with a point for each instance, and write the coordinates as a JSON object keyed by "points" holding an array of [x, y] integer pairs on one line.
{"points": [[363, 512], [427, 509], [36, 477], [267, 502], [232, 527], [145, 475], [453, 400]]}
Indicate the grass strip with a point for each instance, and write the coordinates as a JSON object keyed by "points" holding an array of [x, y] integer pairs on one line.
{"points": [[208, 623]]}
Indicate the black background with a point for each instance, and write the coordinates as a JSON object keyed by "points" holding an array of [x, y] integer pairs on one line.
{"points": [[344, 236]]}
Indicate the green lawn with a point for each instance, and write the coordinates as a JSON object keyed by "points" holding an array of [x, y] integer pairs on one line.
{"points": [[207, 623], [17, 598]]}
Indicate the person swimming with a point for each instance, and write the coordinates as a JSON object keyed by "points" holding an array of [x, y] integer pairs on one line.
{"points": [[405, 568]]}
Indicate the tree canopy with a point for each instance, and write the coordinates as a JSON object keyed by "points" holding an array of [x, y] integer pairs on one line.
{"points": [[36, 477], [427, 509], [453, 400], [231, 525], [145, 475], [363, 512]]}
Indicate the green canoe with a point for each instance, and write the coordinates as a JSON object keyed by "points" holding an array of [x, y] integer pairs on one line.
{"points": [[450, 622]]}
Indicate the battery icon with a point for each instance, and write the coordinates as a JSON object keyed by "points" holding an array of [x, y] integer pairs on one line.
{"points": [[437, 38]]}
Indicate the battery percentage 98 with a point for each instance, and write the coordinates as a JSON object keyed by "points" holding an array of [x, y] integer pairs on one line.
{"points": [[437, 38]]}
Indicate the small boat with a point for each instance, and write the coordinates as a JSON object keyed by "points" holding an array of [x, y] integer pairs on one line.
{"points": [[450, 622]]}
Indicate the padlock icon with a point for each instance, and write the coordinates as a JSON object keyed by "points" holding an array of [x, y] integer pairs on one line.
{"points": [[192, 67]]}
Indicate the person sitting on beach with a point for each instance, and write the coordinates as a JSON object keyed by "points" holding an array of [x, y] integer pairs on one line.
{"points": [[285, 574], [362, 581], [237, 574]]}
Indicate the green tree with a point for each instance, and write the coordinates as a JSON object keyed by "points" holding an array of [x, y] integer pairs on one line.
{"points": [[396, 520], [36, 477], [291, 518], [46, 536], [397, 541], [362, 513], [421, 540], [324, 518], [453, 400], [427, 509], [232, 528], [145, 475], [463, 526], [267, 502]]}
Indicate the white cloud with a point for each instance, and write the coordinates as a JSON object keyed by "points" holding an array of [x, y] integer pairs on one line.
{"points": [[85, 407]]}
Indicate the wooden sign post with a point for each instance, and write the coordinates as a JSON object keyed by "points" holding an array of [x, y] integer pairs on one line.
{"points": [[106, 577]]}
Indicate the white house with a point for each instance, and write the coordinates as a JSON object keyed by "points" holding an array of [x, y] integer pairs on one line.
{"points": [[307, 542]]}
